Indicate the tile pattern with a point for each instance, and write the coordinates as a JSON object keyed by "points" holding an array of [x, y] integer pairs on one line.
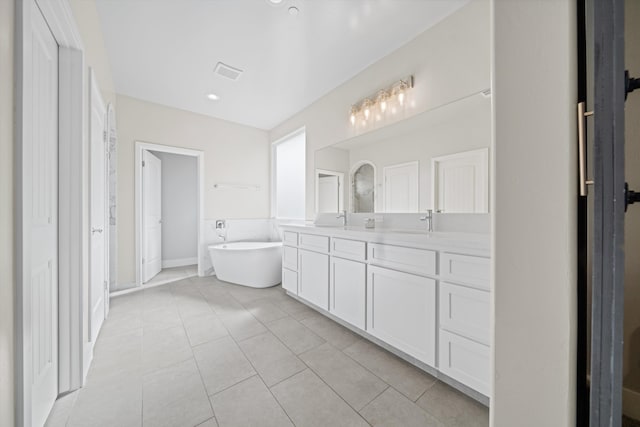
{"points": [[200, 352]]}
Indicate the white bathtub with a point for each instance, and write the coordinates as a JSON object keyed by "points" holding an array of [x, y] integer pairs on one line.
{"points": [[254, 264]]}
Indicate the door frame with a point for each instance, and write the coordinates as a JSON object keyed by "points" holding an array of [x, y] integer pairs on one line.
{"points": [[94, 94], [72, 231], [141, 146]]}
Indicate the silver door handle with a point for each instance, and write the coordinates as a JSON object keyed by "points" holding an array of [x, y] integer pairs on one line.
{"points": [[582, 149], [96, 230]]}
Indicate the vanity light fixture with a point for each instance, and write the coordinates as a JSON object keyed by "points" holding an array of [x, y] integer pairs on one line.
{"points": [[390, 98]]}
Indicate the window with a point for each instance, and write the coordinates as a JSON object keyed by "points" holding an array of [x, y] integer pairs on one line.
{"points": [[288, 180]]}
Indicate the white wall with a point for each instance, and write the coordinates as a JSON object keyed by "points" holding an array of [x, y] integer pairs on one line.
{"points": [[232, 154], [7, 278], [179, 207], [95, 52], [632, 219], [449, 61], [534, 259]]}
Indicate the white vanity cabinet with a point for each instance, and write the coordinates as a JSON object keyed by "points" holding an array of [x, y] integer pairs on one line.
{"points": [[401, 310], [422, 296]]}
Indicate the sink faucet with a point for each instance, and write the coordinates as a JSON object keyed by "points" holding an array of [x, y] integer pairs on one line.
{"points": [[429, 218], [343, 215]]}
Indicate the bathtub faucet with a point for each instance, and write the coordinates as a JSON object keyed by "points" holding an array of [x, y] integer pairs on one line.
{"points": [[343, 215]]}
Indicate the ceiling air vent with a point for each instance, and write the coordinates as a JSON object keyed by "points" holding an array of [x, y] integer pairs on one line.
{"points": [[227, 71]]}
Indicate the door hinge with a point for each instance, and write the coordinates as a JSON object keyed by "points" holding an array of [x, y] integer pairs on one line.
{"points": [[630, 196], [143, 164], [104, 135], [106, 286], [143, 260]]}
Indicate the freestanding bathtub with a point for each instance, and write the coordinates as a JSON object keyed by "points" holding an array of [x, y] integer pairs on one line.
{"points": [[254, 264]]}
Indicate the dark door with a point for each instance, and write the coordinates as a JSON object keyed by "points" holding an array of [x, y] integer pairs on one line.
{"points": [[608, 190]]}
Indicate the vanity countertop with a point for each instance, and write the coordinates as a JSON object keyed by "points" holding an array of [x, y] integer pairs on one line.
{"points": [[477, 242]]}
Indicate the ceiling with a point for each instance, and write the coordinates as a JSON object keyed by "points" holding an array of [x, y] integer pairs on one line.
{"points": [[165, 51]]}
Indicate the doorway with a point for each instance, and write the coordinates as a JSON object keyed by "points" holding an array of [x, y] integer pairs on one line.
{"points": [[401, 187], [169, 220], [329, 191]]}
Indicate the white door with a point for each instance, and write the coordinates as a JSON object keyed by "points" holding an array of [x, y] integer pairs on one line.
{"points": [[40, 215], [328, 194], [151, 216], [461, 182], [98, 182], [401, 187]]}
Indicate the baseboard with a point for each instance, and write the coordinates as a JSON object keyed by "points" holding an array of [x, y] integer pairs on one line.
{"points": [[122, 287], [631, 403], [171, 263]]}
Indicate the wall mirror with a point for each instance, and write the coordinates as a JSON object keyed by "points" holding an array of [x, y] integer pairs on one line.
{"points": [[438, 159]]}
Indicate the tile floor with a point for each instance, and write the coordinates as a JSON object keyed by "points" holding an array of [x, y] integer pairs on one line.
{"points": [[200, 352], [168, 275]]}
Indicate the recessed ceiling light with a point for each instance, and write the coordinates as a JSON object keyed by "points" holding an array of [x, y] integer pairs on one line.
{"points": [[293, 11], [213, 96], [274, 2]]}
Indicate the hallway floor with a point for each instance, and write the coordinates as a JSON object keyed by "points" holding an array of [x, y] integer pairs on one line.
{"points": [[200, 352], [168, 275]]}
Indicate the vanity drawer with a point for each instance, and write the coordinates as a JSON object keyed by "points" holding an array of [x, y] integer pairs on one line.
{"points": [[471, 270], [351, 249], [411, 260], [290, 238], [314, 242], [465, 360], [290, 281], [465, 311], [290, 258]]}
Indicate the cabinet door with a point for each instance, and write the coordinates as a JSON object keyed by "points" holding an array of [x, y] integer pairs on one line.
{"points": [[290, 258], [290, 281], [465, 311], [313, 269], [466, 361], [348, 291], [401, 310]]}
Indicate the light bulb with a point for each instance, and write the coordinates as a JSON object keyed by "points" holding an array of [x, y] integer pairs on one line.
{"points": [[366, 108], [382, 100], [401, 98], [352, 115]]}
